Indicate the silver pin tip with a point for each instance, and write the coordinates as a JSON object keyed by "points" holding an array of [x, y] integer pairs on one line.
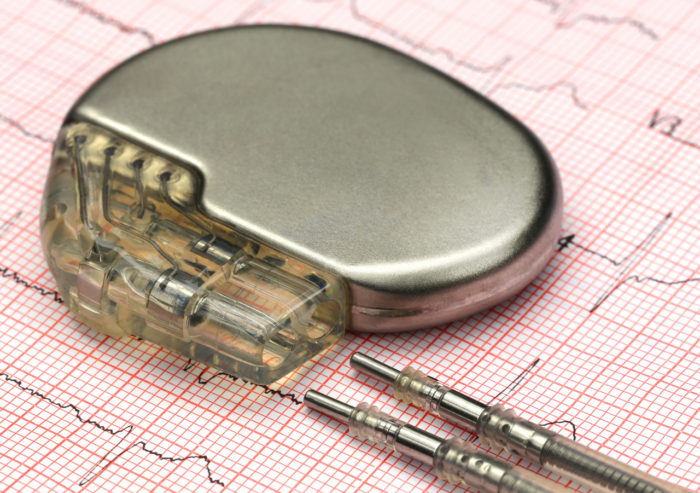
{"points": [[377, 369], [327, 405]]}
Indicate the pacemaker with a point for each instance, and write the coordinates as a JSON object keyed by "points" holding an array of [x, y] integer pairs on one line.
{"points": [[243, 196]]}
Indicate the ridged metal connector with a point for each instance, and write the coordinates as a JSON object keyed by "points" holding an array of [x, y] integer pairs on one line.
{"points": [[499, 427], [454, 460]]}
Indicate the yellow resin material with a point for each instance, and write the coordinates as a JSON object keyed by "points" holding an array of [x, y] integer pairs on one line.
{"points": [[133, 254]]}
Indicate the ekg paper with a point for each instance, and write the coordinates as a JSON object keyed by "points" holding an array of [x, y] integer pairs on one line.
{"points": [[602, 347]]}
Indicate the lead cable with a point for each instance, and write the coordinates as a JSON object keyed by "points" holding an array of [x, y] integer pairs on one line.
{"points": [[499, 427], [453, 460]]}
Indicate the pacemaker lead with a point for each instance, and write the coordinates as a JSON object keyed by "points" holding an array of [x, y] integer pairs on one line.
{"points": [[499, 427], [454, 460]]}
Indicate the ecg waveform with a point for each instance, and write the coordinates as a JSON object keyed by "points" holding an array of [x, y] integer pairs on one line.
{"points": [[511, 387], [611, 21], [114, 453], [203, 379], [556, 7], [7, 273], [627, 262], [110, 21], [565, 84], [5, 225], [412, 43], [497, 66], [515, 383], [25, 131]]}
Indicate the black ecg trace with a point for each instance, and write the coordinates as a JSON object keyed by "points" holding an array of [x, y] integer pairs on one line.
{"points": [[360, 17], [110, 21], [202, 380], [24, 130], [5, 226], [111, 456], [604, 19], [517, 381], [569, 86], [626, 263], [7, 273]]}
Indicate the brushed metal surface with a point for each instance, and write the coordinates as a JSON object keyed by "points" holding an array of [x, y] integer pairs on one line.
{"points": [[428, 199]]}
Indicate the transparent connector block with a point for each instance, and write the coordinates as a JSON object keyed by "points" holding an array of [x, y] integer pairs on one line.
{"points": [[134, 255]]}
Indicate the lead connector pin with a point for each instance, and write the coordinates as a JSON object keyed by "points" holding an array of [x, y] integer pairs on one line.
{"points": [[454, 460], [499, 427]]}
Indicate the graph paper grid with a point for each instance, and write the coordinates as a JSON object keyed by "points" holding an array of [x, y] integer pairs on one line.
{"points": [[602, 346]]}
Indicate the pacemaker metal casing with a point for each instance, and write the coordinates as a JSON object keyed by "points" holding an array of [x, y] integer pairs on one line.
{"points": [[430, 201]]}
